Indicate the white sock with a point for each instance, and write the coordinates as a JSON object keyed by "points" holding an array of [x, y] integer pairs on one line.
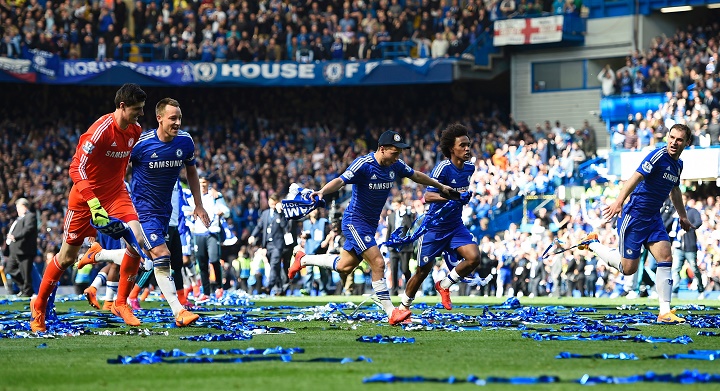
{"points": [[327, 261], [609, 255], [114, 256], [450, 279], [100, 280], [111, 290], [663, 284], [406, 301], [383, 294], [167, 287]]}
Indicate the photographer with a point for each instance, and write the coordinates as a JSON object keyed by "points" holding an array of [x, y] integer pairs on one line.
{"points": [[685, 247], [315, 230], [334, 241]]}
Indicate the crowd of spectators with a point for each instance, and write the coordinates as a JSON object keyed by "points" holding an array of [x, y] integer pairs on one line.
{"points": [[265, 30], [683, 67]]}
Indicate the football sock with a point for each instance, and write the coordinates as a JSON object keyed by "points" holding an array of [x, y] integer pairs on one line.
{"points": [[100, 280], [134, 292], [609, 255], [182, 295], [383, 294], [50, 279], [114, 256], [111, 290], [450, 279], [128, 271], [323, 260], [167, 287], [406, 301], [663, 284]]}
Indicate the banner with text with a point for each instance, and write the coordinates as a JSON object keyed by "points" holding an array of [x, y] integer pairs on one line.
{"points": [[528, 31], [271, 74], [16, 70], [42, 62]]}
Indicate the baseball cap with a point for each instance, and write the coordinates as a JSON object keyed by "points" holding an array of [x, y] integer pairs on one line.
{"points": [[392, 138]]}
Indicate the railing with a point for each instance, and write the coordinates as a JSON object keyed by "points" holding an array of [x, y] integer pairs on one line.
{"points": [[515, 210], [140, 52], [396, 49], [588, 171], [145, 52], [482, 48], [615, 108]]}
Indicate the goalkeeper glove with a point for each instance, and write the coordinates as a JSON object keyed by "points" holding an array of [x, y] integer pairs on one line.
{"points": [[98, 215]]}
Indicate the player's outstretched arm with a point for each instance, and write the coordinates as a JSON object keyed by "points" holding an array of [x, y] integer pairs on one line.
{"points": [[194, 182], [331, 187], [446, 191]]}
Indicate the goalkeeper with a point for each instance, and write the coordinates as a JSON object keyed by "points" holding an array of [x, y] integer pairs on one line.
{"points": [[97, 171]]}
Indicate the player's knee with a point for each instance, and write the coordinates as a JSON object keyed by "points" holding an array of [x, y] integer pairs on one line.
{"points": [[343, 268], [474, 262], [629, 268], [66, 261]]}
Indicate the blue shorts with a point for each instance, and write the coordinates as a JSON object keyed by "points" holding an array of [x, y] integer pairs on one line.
{"points": [[434, 243], [155, 229], [635, 233], [358, 237], [505, 275], [109, 243]]}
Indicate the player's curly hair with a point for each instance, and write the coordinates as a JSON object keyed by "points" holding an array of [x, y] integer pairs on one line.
{"points": [[131, 94], [448, 136]]}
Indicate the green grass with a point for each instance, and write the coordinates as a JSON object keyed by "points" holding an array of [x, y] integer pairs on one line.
{"points": [[80, 363]]}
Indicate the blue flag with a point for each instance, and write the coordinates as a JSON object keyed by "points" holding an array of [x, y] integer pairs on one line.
{"points": [[230, 237], [298, 203], [425, 222]]}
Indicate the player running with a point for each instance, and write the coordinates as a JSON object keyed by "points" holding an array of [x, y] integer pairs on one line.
{"points": [[450, 235], [97, 171], [372, 175], [640, 223]]}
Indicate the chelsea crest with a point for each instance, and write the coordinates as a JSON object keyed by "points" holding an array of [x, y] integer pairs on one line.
{"points": [[333, 72]]}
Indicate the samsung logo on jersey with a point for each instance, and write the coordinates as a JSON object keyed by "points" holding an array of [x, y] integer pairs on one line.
{"points": [[117, 155], [461, 189], [670, 177], [381, 186], [166, 164]]}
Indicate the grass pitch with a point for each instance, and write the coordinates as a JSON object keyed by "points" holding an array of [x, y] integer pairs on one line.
{"points": [[80, 363]]}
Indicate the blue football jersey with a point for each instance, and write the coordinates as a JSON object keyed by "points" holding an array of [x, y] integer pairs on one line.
{"points": [[155, 168], [372, 183], [662, 174], [459, 179]]}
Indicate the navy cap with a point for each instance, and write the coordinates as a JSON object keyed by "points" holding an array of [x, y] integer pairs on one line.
{"points": [[392, 138]]}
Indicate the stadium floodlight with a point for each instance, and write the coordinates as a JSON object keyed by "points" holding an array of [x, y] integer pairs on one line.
{"points": [[667, 10], [713, 5]]}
